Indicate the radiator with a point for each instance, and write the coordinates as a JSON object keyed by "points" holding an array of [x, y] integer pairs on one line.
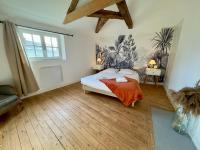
{"points": [[50, 76]]}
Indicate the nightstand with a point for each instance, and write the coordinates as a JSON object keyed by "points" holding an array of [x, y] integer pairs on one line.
{"points": [[156, 73], [97, 68]]}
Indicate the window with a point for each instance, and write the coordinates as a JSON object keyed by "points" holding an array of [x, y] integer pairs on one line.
{"points": [[41, 45]]}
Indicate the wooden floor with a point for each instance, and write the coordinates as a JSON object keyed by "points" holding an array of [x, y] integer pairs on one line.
{"points": [[66, 118]]}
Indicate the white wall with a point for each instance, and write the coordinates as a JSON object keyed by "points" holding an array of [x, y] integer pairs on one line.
{"points": [[173, 54], [5, 73], [185, 68], [80, 52], [80, 57]]}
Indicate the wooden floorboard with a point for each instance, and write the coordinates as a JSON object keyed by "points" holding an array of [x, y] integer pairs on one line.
{"points": [[66, 118]]}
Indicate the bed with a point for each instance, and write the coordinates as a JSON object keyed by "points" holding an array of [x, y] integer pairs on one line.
{"points": [[92, 83]]}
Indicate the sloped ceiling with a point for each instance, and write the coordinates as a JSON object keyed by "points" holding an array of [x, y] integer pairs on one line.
{"points": [[49, 12], [148, 15]]}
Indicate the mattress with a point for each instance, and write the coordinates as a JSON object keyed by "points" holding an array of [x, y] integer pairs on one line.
{"points": [[93, 80]]}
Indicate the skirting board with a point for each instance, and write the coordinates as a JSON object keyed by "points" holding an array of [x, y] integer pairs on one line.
{"points": [[49, 89], [152, 83], [169, 95]]}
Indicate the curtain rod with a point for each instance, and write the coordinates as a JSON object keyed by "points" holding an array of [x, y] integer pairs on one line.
{"points": [[41, 29]]}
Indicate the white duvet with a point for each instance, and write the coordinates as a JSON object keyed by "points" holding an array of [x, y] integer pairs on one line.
{"points": [[93, 80]]}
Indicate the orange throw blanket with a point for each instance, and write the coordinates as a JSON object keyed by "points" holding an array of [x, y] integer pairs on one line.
{"points": [[127, 92]]}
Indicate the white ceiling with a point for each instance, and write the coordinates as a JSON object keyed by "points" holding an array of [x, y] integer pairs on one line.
{"points": [[148, 15], [50, 12]]}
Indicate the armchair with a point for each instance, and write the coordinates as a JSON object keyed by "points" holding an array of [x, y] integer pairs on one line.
{"points": [[8, 98]]}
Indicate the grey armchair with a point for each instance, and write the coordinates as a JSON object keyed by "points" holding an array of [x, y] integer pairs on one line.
{"points": [[8, 98]]}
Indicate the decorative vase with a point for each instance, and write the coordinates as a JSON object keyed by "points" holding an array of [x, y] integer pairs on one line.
{"points": [[180, 122]]}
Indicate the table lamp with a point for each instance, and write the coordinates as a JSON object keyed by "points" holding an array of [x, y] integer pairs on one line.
{"points": [[98, 61], [152, 62]]}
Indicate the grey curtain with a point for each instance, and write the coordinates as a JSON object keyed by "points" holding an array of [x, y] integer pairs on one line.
{"points": [[24, 79]]}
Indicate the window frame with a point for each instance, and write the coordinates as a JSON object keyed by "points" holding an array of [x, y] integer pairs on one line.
{"points": [[42, 34]]}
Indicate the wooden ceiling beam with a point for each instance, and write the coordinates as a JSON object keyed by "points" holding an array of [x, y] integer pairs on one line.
{"points": [[72, 6], [123, 9], [89, 8], [94, 8], [100, 24], [106, 14]]}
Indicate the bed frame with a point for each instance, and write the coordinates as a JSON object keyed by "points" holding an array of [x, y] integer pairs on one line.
{"points": [[88, 89]]}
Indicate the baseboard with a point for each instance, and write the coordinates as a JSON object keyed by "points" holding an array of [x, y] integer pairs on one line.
{"points": [[169, 95], [46, 90], [152, 83]]}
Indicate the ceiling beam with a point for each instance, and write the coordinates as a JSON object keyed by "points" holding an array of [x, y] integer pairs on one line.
{"points": [[89, 8], [100, 24], [72, 6], [106, 14], [123, 9]]}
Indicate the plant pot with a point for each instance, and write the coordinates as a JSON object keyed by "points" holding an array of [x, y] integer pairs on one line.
{"points": [[180, 122]]}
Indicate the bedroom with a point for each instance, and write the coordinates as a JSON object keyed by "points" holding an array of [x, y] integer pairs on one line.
{"points": [[60, 113]]}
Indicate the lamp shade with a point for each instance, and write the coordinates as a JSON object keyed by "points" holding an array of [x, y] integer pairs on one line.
{"points": [[152, 62], [98, 60]]}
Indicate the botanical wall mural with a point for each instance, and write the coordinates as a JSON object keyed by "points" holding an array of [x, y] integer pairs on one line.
{"points": [[124, 53]]}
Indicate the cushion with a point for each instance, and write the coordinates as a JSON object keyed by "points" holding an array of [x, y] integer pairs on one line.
{"points": [[127, 71], [110, 70], [121, 79], [7, 90], [7, 100]]}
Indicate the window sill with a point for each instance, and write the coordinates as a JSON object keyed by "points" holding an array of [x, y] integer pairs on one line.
{"points": [[45, 59]]}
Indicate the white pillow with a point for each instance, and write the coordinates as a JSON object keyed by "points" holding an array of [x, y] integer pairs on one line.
{"points": [[110, 70], [121, 79], [127, 71]]}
